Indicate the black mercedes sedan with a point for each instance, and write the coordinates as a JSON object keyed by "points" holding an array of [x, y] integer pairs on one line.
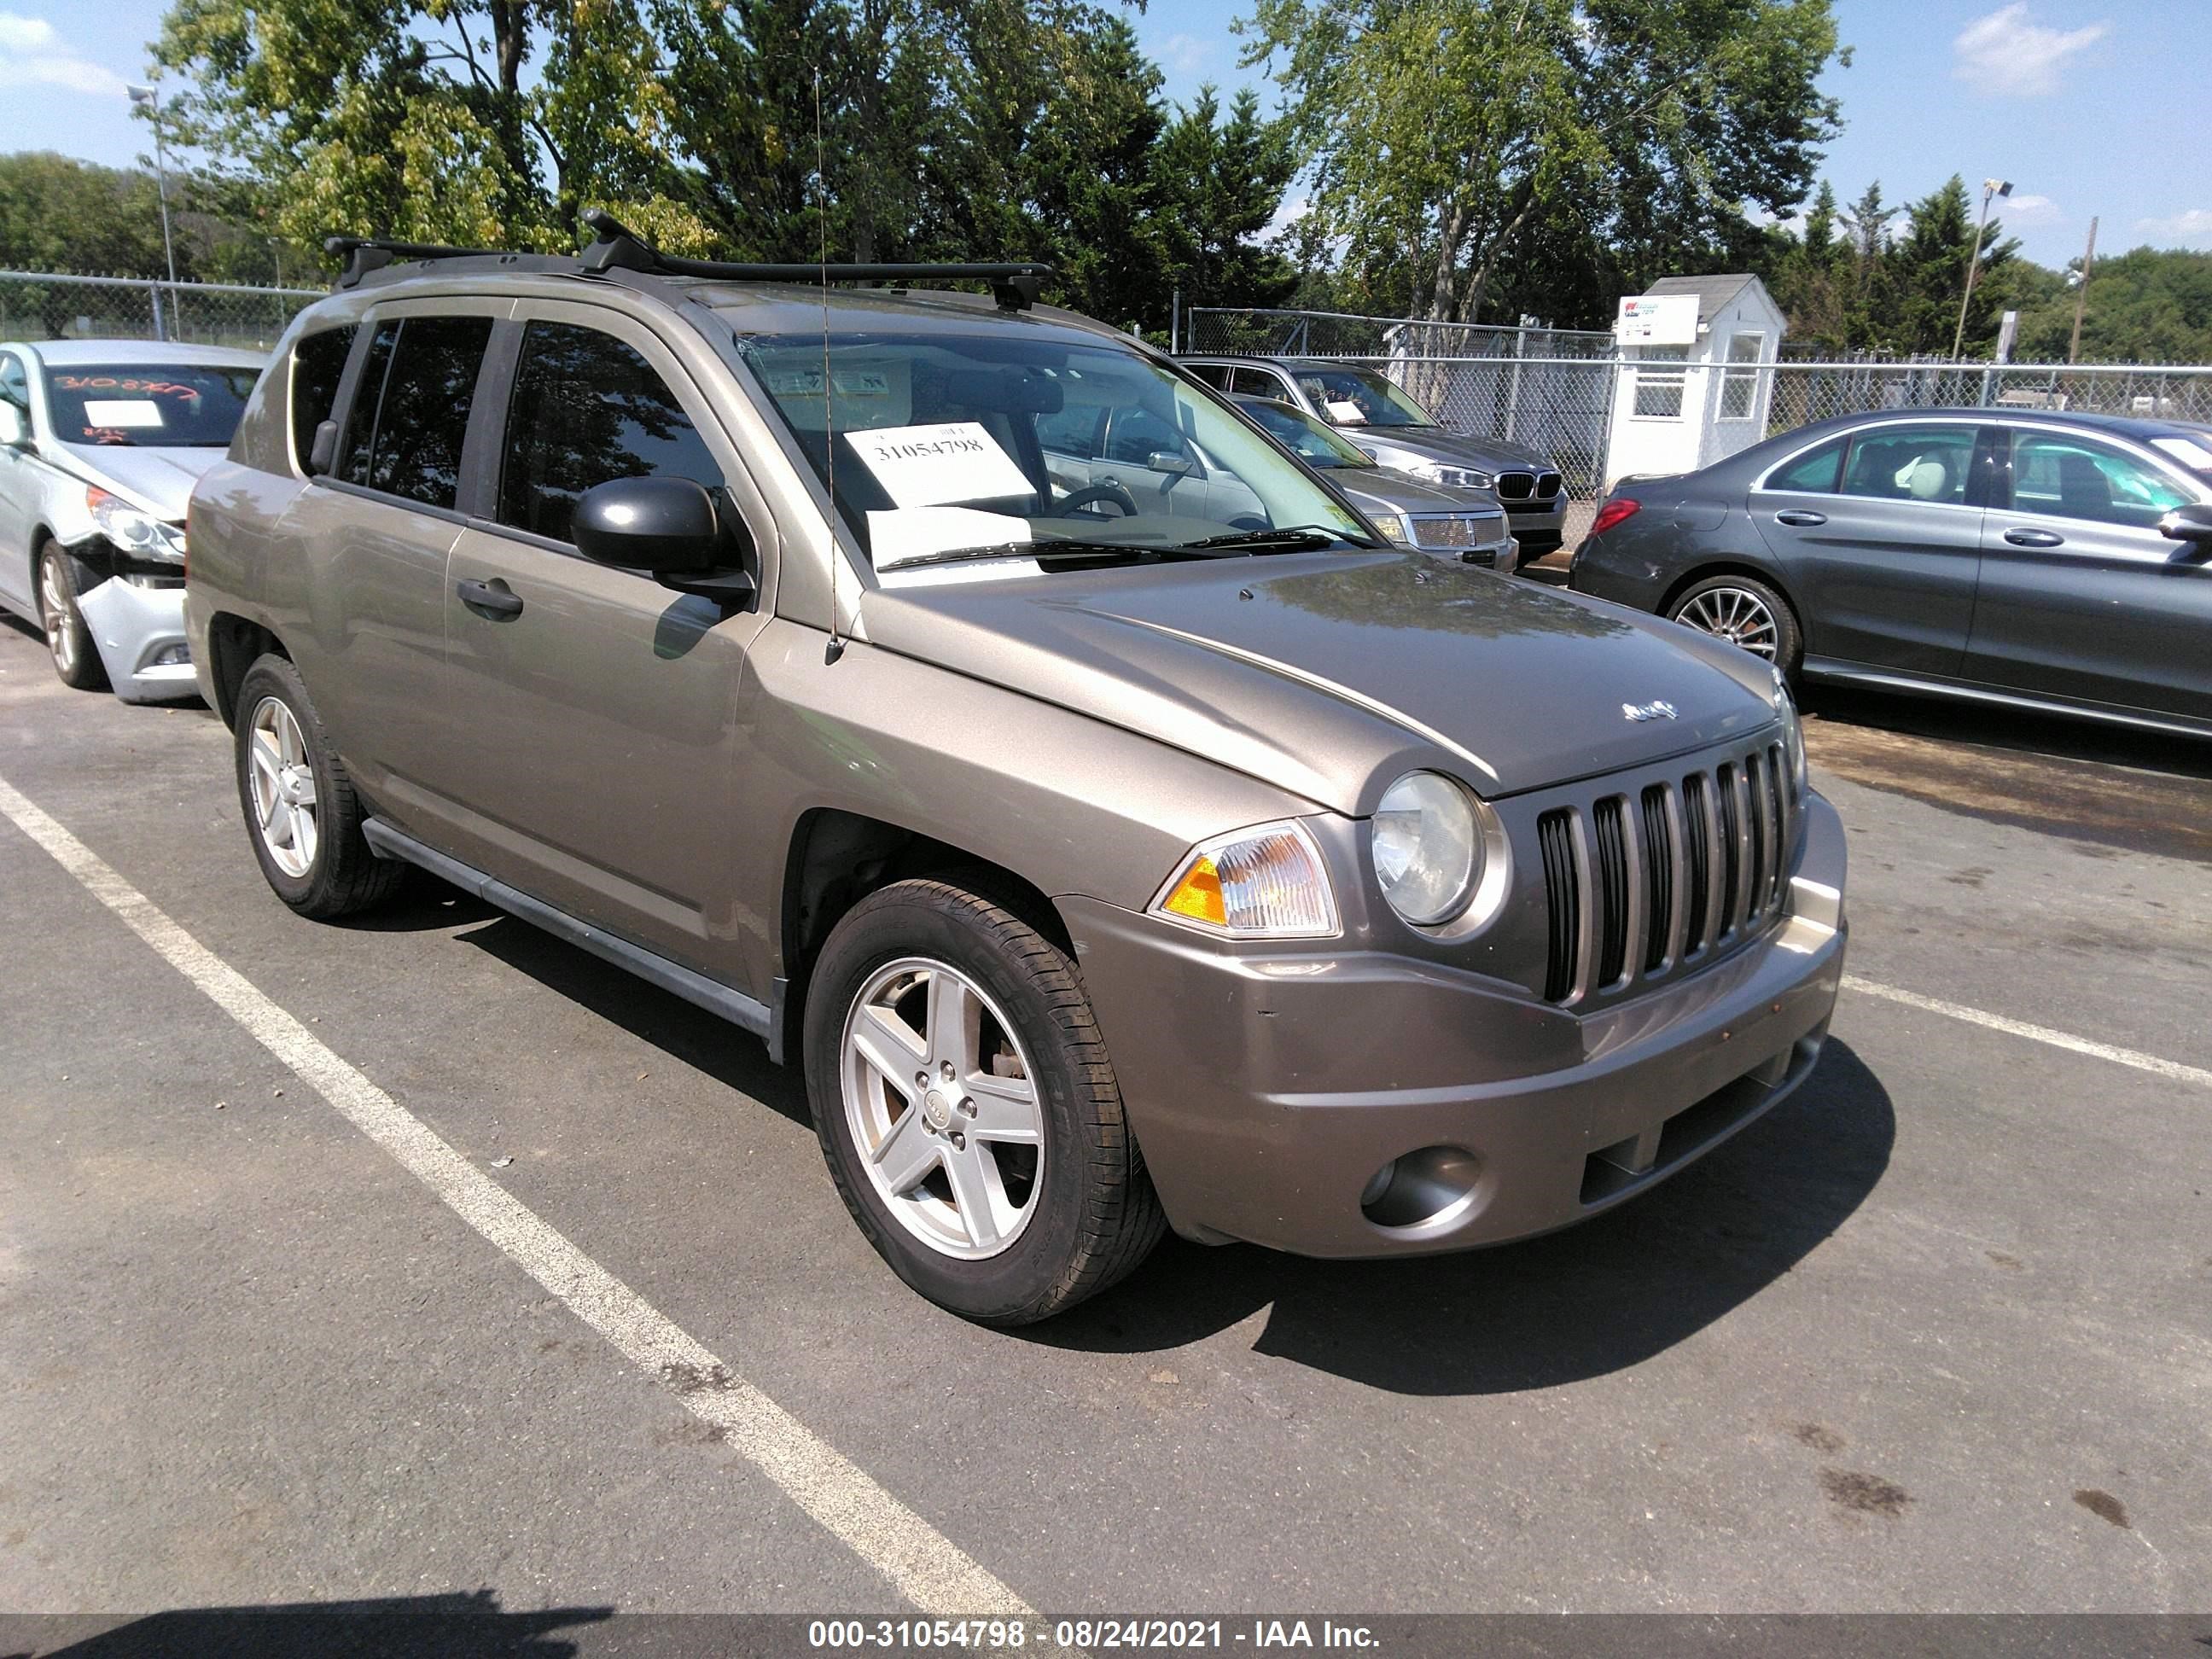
{"points": [[2056, 561]]}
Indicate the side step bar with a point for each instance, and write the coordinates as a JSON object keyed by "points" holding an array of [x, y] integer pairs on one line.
{"points": [[711, 994]]}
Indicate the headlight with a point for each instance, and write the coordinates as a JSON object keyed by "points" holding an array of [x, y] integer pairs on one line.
{"points": [[133, 530], [1393, 527], [1793, 732], [1429, 850], [1266, 882], [1452, 478]]}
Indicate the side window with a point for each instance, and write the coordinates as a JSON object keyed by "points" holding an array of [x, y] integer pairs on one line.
{"points": [[2072, 478], [412, 411], [318, 361], [1072, 431], [1138, 434], [15, 382], [1214, 374], [1661, 373], [1911, 464], [1815, 471], [586, 409], [1260, 383]]}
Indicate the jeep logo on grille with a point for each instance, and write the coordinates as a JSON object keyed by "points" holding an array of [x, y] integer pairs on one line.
{"points": [[1641, 712]]}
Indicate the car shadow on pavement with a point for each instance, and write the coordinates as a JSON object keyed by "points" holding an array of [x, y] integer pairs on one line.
{"points": [[707, 1042], [1571, 1305], [457, 1626]]}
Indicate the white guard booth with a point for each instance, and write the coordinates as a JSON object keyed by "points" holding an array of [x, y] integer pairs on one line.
{"points": [[1696, 380]]}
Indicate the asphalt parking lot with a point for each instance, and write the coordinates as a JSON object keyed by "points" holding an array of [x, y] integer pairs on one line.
{"points": [[1936, 1335]]}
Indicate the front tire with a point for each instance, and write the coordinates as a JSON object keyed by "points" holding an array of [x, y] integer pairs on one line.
{"points": [[69, 636], [1748, 614], [302, 813], [967, 1110]]}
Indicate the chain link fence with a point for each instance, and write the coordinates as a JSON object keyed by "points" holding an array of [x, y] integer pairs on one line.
{"points": [[50, 306], [1554, 389]]}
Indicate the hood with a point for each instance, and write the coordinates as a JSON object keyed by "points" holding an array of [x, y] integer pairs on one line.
{"points": [[159, 480], [1402, 492], [1328, 674], [1394, 446]]}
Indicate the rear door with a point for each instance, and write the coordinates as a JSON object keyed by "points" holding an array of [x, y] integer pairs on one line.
{"points": [[371, 540], [2080, 596], [598, 710], [1879, 539]]}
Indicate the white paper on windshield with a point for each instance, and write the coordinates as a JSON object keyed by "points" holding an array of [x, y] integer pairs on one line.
{"points": [[1345, 412], [927, 465], [916, 533], [122, 411]]}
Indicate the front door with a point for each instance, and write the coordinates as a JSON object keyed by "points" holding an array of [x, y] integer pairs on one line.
{"points": [[2081, 597], [1882, 548], [17, 481], [598, 709]]}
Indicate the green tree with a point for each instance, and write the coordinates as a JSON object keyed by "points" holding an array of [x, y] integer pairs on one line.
{"points": [[1440, 131], [56, 214]]}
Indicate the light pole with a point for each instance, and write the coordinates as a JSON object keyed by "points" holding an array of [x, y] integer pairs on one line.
{"points": [[1990, 187], [2082, 292], [148, 99]]}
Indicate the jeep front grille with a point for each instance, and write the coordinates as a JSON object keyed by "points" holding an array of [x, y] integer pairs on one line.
{"points": [[1641, 883]]}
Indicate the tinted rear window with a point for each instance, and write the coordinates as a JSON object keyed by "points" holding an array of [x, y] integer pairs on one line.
{"points": [[195, 406], [412, 411], [1816, 470], [318, 361]]}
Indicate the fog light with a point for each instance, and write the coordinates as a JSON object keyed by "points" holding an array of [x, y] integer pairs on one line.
{"points": [[1423, 1193], [171, 656]]}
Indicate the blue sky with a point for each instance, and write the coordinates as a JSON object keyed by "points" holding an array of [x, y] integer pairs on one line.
{"points": [[2089, 106]]}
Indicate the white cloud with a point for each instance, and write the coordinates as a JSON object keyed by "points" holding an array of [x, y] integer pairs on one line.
{"points": [[1293, 209], [1185, 54], [2190, 226], [2004, 53], [33, 53], [2027, 209]]}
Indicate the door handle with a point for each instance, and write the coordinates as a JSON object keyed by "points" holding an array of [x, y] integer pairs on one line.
{"points": [[493, 598], [1804, 518], [2033, 538]]}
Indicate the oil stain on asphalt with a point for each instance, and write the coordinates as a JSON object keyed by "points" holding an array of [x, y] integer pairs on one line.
{"points": [[1865, 1494]]}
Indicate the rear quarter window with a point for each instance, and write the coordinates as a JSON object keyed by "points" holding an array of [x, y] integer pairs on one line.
{"points": [[1815, 471], [318, 361]]}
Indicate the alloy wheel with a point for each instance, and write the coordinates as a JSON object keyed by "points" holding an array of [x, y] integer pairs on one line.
{"points": [[58, 609], [1737, 615], [283, 780], [943, 1108]]}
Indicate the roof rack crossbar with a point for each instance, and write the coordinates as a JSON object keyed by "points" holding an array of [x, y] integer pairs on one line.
{"points": [[1014, 285], [363, 254]]}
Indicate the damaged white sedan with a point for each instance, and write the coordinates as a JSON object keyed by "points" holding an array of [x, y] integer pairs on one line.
{"points": [[100, 443]]}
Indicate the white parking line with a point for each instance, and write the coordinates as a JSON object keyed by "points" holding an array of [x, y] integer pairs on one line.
{"points": [[927, 1567], [2021, 1028]]}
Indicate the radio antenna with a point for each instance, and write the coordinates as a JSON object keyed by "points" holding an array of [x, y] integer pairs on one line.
{"points": [[836, 648]]}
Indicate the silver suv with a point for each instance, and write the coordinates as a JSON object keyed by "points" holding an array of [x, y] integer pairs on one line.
{"points": [[1111, 864]]}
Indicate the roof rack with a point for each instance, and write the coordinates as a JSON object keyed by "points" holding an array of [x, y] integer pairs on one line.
{"points": [[1014, 286]]}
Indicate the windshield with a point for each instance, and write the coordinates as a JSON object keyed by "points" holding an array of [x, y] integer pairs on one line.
{"points": [[949, 442], [1315, 442], [164, 406], [1360, 397]]}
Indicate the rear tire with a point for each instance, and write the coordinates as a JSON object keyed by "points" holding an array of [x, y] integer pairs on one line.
{"points": [[69, 636], [987, 1157], [1747, 613], [302, 813]]}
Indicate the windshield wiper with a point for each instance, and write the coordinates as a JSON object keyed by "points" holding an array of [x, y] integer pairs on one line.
{"points": [[1051, 550], [1289, 538]]}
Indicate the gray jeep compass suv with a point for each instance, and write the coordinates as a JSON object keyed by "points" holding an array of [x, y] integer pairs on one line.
{"points": [[1114, 857]]}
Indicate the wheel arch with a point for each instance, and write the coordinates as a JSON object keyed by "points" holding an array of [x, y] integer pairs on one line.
{"points": [[836, 858], [235, 644]]}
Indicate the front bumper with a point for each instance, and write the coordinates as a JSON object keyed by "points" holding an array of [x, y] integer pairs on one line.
{"points": [[1266, 1091], [139, 631], [1539, 527]]}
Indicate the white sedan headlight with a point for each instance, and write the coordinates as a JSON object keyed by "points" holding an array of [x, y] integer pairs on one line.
{"points": [[132, 530], [1429, 848], [1452, 478]]}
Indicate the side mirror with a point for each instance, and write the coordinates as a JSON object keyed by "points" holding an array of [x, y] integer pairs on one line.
{"points": [[323, 454], [15, 430], [1167, 461], [672, 527], [2192, 522]]}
